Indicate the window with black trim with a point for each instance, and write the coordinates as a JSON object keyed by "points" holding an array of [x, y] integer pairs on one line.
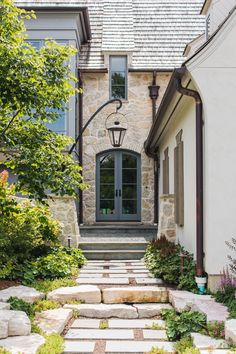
{"points": [[179, 179], [118, 77]]}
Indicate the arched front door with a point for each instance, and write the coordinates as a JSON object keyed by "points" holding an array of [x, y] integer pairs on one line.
{"points": [[118, 186]]}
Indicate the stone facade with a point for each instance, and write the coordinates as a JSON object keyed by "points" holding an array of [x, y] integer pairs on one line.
{"points": [[64, 210], [167, 217], [138, 111]]}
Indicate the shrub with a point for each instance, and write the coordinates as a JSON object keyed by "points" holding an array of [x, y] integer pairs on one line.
{"points": [[26, 231], [163, 260], [181, 325], [158, 351], [183, 344], [59, 263], [50, 285], [4, 351], [216, 329], [20, 305], [54, 344], [44, 305], [191, 351], [226, 294]]}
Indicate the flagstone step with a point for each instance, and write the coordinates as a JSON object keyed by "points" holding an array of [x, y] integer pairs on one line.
{"points": [[112, 271], [118, 323], [104, 310], [116, 275], [137, 347], [78, 333], [98, 281], [142, 294], [75, 347], [150, 310]]}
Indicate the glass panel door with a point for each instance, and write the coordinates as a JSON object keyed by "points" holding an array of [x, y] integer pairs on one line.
{"points": [[118, 186]]}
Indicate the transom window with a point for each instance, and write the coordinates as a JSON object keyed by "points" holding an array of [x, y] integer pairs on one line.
{"points": [[118, 77]]}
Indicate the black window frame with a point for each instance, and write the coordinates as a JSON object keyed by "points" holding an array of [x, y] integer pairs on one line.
{"points": [[126, 76]]}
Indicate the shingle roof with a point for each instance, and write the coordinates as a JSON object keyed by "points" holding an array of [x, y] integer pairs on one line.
{"points": [[155, 31]]}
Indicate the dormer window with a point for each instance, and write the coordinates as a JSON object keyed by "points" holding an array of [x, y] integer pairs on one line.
{"points": [[118, 77]]}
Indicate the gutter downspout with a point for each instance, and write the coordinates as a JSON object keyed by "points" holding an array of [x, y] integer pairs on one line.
{"points": [[199, 171], [80, 145], [153, 94]]}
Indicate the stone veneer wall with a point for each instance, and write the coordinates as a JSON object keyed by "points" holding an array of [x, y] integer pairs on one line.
{"points": [[167, 217], [64, 210], [138, 110]]}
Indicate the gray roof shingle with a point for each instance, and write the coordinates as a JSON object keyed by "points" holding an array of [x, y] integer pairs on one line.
{"points": [[155, 31]]}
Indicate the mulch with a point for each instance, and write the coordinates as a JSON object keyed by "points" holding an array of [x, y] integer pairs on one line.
{"points": [[4, 284]]}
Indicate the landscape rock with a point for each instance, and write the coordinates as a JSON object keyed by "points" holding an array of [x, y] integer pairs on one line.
{"points": [[150, 310], [201, 341], [230, 330], [90, 294], [3, 329], [184, 300], [53, 321], [18, 323], [22, 292], [4, 306], [212, 309], [23, 344], [141, 294], [104, 311]]}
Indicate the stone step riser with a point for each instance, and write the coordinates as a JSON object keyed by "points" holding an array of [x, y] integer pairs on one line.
{"points": [[113, 246], [116, 254]]}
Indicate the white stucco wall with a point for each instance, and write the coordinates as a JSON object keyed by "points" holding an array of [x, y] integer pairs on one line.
{"points": [[214, 72], [184, 118], [218, 11]]}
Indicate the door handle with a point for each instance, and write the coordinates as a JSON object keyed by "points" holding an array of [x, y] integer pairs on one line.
{"points": [[116, 192], [119, 192]]}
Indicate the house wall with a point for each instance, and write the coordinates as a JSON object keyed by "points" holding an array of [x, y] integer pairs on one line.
{"points": [[183, 119], [138, 110], [214, 73], [218, 11], [49, 25]]}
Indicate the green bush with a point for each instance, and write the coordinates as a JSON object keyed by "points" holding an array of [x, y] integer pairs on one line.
{"points": [[59, 263], [158, 351], [181, 325], [183, 344], [227, 297], [163, 260], [4, 351], [215, 329], [44, 305], [54, 344], [192, 351], [49, 285], [21, 305]]}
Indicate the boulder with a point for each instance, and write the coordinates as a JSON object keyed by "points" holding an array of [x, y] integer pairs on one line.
{"points": [[104, 311], [150, 310], [212, 309], [18, 323], [230, 330], [23, 344], [90, 294], [53, 321], [22, 292], [4, 306], [184, 300], [141, 294], [201, 341]]}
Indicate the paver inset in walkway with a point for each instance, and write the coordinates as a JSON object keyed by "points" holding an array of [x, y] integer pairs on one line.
{"points": [[125, 322]]}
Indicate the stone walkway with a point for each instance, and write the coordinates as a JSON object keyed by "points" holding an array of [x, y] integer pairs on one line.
{"points": [[127, 319]]}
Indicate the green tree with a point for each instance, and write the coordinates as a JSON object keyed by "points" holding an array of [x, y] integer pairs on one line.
{"points": [[34, 86]]}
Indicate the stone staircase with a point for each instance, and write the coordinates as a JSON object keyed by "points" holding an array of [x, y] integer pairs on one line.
{"points": [[116, 242], [126, 320]]}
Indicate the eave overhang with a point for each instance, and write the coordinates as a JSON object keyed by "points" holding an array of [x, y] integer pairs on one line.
{"points": [[82, 11]]}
